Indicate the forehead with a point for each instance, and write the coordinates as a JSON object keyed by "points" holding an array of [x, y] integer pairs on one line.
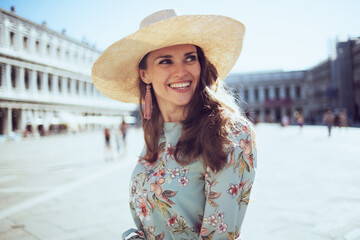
{"points": [[172, 50]]}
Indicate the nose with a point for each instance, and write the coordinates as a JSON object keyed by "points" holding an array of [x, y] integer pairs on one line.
{"points": [[180, 70]]}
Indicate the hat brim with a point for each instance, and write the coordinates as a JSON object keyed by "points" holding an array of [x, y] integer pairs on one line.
{"points": [[115, 72]]}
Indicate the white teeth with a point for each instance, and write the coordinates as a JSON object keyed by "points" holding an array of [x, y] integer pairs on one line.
{"points": [[180, 85]]}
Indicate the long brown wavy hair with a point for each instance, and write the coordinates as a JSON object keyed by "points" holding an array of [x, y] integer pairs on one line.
{"points": [[211, 115]]}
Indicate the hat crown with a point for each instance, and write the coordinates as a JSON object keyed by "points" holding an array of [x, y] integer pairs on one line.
{"points": [[157, 17]]}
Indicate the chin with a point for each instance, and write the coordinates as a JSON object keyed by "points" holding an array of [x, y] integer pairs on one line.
{"points": [[182, 102]]}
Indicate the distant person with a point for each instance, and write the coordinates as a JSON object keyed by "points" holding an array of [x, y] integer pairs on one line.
{"points": [[194, 177], [124, 128], [336, 119], [285, 121], [328, 119], [107, 144], [344, 119], [299, 119]]}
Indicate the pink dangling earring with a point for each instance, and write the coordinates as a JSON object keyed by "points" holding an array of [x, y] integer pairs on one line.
{"points": [[148, 103]]}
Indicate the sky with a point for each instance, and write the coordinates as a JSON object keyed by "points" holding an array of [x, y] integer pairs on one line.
{"points": [[280, 34]]}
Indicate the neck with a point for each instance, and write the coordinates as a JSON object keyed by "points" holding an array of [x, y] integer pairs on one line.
{"points": [[175, 114]]}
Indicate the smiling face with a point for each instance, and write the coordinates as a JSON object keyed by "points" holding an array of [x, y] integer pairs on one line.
{"points": [[174, 73]]}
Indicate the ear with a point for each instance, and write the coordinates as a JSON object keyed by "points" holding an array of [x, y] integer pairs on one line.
{"points": [[144, 76]]}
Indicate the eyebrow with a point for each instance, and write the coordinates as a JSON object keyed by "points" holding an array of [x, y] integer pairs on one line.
{"points": [[169, 56]]}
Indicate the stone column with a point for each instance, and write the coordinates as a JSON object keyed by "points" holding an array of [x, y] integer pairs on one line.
{"points": [[282, 91], [81, 87], [9, 121], [22, 120], [261, 94], [271, 92], [251, 95], [7, 80], [21, 79], [292, 92], [46, 120], [32, 78], [55, 84], [73, 87], [44, 83], [63, 85], [88, 90]]}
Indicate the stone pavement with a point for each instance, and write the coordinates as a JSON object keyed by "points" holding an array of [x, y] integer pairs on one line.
{"points": [[306, 188], [68, 191], [307, 185]]}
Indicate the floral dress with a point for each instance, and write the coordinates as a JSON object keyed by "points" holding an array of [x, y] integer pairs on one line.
{"points": [[172, 201]]}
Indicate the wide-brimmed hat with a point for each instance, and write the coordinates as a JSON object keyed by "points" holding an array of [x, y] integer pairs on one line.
{"points": [[115, 73]]}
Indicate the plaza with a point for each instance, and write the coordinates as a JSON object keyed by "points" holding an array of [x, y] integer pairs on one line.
{"points": [[61, 187]]}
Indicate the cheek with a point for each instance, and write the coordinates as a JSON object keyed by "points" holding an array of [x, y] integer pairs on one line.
{"points": [[197, 73]]}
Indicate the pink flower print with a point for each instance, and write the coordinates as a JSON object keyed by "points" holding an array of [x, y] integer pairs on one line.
{"points": [[142, 211], [183, 181], [244, 128], [162, 172], [174, 172], [220, 215], [184, 170], [251, 160], [246, 147], [212, 220], [170, 151], [241, 184], [222, 227], [172, 221], [237, 131], [233, 190]]}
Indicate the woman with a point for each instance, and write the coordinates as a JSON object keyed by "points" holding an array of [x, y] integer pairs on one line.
{"points": [[194, 176]]}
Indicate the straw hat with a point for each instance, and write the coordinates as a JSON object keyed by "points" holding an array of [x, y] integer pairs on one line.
{"points": [[115, 73]]}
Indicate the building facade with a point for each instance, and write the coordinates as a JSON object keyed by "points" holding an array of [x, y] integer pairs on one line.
{"points": [[45, 81], [267, 96], [332, 84], [320, 90]]}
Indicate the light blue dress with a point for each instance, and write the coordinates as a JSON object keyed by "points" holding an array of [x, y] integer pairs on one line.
{"points": [[172, 201]]}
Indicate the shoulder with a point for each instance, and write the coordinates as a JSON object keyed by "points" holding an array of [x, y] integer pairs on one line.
{"points": [[244, 144], [243, 130]]}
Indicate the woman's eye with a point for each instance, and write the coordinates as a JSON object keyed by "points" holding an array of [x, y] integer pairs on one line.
{"points": [[165, 61], [191, 58]]}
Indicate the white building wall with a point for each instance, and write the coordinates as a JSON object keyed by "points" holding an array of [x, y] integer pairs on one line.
{"points": [[73, 60]]}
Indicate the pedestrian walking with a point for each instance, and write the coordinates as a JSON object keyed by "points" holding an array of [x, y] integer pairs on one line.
{"points": [[194, 177], [344, 119], [300, 119], [328, 119], [285, 121], [124, 128], [336, 119], [107, 144]]}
